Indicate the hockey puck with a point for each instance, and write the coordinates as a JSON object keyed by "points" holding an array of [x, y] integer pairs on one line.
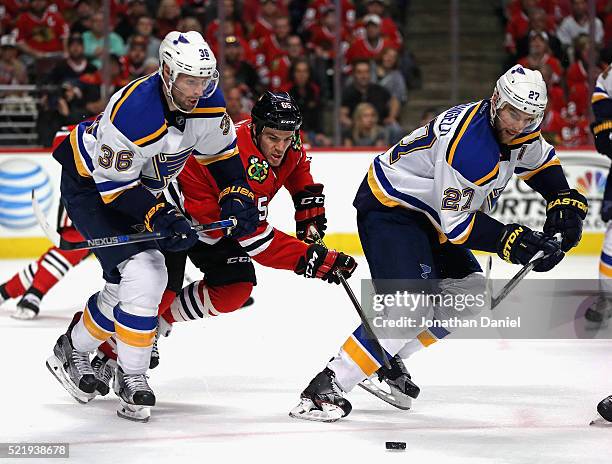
{"points": [[395, 445]]}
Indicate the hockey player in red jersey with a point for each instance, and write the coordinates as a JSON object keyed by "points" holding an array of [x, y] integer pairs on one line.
{"points": [[273, 157], [34, 281]]}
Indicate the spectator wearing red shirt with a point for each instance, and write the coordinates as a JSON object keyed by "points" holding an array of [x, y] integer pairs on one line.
{"points": [[279, 69], [276, 44], [40, 31], [539, 22], [168, 16], [371, 46], [264, 24], [316, 8], [539, 54], [567, 128], [133, 63], [126, 25], [232, 26], [518, 25], [388, 28], [323, 35], [556, 95]]}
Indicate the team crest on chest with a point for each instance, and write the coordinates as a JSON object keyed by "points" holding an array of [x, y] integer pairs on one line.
{"points": [[165, 167], [257, 169]]}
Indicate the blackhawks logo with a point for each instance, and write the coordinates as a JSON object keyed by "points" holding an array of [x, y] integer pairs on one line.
{"points": [[258, 169]]}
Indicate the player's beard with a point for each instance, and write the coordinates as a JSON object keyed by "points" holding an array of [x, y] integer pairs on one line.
{"points": [[182, 101]]}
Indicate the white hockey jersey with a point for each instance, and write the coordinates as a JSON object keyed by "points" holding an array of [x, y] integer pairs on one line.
{"points": [[453, 167], [133, 143], [601, 100]]}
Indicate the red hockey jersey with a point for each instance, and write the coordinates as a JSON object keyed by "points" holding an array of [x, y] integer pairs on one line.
{"points": [[267, 245]]}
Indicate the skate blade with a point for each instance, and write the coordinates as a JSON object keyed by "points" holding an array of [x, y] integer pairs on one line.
{"points": [[394, 397], [306, 410], [134, 412], [24, 314], [600, 422], [57, 369]]}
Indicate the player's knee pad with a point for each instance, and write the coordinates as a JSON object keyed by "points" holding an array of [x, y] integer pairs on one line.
{"points": [[143, 280]]}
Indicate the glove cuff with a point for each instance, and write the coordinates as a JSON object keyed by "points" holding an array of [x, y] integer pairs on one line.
{"points": [[510, 234], [570, 199], [149, 218]]}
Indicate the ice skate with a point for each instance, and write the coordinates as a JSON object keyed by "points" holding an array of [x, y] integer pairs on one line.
{"points": [[604, 409], [322, 400], [28, 307], [394, 385], [135, 395], [104, 369], [72, 368], [598, 314]]}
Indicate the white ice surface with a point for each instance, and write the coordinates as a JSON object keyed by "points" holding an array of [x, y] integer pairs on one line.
{"points": [[225, 386]]}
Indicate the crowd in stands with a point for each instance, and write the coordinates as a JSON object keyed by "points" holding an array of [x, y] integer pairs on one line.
{"points": [[286, 45], [554, 37]]}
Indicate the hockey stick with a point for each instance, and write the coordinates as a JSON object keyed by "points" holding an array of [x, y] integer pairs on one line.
{"points": [[63, 244], [349, 291], [516, 279]]}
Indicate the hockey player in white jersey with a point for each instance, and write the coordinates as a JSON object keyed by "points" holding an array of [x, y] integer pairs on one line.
{"points": [[113, 171], [599, 313], [424, 205]]}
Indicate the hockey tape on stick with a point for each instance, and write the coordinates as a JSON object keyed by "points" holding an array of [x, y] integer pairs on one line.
{"points": [[116, 240], [349, 291]]}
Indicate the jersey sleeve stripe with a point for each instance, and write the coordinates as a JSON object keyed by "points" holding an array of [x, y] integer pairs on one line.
{"points": [[403, 198], [110, 185], [606, 259], [112, 196], [126, 93], [154, 137], [530, 174], [464, 125], [489, 177], [377, 192], [82, 160], [462, 232], [525, 139], [208, 159], [598, 97]]}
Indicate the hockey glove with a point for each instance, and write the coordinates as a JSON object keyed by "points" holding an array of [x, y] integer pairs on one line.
{"points": [[322, 263], [168, 220], [564, 215], [518, 244], [310, 211], [239, 202], [602, 132]]}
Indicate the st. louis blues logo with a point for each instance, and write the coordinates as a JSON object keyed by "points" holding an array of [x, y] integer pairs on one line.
{"points": [[426, 271], [257, 169], [163, 168]]}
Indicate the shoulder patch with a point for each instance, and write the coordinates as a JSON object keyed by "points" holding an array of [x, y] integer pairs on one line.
{"points": [[473, 151], [138, 113]]}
